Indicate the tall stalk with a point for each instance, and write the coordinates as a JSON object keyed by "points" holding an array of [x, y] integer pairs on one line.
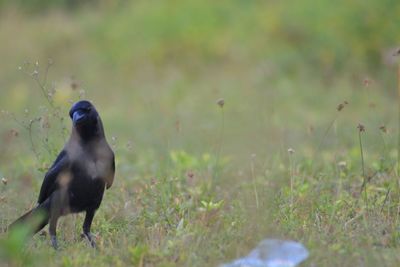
{"points": [[361, 129], [398, 126]]}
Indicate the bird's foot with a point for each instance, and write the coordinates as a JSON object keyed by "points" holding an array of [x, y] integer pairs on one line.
{"points": [[54, 242], [90, 238]]}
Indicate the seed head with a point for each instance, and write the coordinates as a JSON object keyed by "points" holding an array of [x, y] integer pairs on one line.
{"points": [[310, 129], [178, 126], [290, 151], [74, 85], [361, 128], [14, 133], [4, 181], [383, 129], [190, 174], [221, 102], [342, 105]]}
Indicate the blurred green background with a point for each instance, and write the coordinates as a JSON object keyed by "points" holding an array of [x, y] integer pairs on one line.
{"points": [[167, 61], [155, 70]]}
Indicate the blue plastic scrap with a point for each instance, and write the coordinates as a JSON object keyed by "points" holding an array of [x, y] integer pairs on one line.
{"points": [[273, 253]]}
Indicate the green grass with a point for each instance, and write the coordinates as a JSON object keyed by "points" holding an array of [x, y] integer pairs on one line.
{"points": [[197, 185]]}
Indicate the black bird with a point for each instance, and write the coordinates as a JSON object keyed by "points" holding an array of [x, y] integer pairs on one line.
{"points": [[78, 177]]}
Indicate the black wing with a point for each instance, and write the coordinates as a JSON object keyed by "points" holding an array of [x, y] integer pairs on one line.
{"points": [[110, 182], [49, 183]]}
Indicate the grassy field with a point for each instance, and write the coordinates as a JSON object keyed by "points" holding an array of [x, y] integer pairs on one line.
{"points": [[198, 183]]}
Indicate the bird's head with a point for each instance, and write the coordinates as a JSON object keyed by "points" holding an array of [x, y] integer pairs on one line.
{"points": [[85, 119]]}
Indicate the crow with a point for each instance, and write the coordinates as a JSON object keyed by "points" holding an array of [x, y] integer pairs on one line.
{"points": [[78, 178]]}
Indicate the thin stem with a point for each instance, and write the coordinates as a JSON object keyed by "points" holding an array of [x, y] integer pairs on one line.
{"points": [[398, 130], [254, 183], [47, 71], [364, 184], [31, 137], [325, 134], [384, 145], [44, 91], [28, 128], [362, 154], [291, 180], [386, 198], [220, 144]]}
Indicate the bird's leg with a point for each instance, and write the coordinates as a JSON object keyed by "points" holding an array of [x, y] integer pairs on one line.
{"points": [[52, 231], [55, 213], [86, 227]]}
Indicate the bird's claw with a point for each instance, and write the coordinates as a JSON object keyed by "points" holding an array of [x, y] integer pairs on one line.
{"points": [[90, 238], [54, 242]]}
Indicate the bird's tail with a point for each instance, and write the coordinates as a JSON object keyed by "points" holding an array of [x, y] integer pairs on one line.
{"points": [[36, 219]]}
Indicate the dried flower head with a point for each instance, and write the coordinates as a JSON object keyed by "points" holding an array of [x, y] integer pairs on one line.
{"points": [[342, 164], [221, 102], [366, 82], [342, 105], [383, 128], [290, 151], [361, 128], [178, 126], [13, 133], [190, 174], [74, 85], [310, 129], [4, 181]]}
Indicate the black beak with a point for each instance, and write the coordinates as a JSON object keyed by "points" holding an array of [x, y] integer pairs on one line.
{"points": [[78, 116]]}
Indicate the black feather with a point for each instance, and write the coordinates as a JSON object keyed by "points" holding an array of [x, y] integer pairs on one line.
{"points": [[49, 184]]}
